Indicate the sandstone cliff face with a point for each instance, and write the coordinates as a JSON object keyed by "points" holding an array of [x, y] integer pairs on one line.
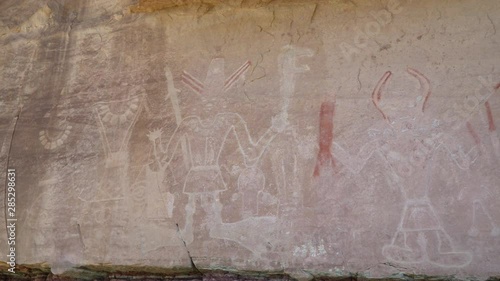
{"points": [[330, 137]]}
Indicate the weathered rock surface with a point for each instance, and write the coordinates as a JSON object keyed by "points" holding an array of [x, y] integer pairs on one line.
{"points": [[313, 138]]}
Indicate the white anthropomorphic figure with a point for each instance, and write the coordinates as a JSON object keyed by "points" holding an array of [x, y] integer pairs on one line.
{"points": [[202, 140], [407, 143]]}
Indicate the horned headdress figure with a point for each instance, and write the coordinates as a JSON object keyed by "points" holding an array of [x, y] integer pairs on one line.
{"points": [[423, 98]]}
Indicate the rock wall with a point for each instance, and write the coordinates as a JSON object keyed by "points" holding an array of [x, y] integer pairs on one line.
{"points": [[312, 137]]}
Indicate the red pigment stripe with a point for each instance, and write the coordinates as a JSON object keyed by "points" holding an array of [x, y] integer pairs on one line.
{"points": [[193, 84], [242, 68], [325, 136], [193, 79], [491, 122], [473, 133], [421, 78], [377, 92], [236, 75]]}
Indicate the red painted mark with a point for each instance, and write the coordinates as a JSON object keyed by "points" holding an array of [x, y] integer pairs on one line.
{"points": [[193, 83], [325, 137], [236, 75], [425, 101], [473, 133], [424, 83], [377, 92], [491, 122]]}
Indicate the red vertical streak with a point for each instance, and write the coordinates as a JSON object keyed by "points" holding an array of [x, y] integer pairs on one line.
{"points": [[473, 133], [325, 137], [497, 86], [491, 122], [377, 92]]}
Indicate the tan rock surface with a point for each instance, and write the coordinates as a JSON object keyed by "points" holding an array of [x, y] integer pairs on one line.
{"points": [[331, 137]]}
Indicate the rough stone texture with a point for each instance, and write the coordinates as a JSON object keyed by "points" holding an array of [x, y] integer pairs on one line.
{"points": [[325, 138]]}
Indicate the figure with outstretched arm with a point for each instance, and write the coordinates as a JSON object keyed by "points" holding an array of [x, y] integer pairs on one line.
{"points": [[456, 152], [214, 137], [201, 141], [205, 142], [408, 146], [355, 163]]}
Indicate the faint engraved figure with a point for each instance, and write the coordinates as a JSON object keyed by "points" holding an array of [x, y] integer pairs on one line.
{"points": [[252, 179], [154, 206], [160, 202], [150, 201], [478, 209], [407, 144], [285, 168], [107, 204], [115, 121], [289, 69], [478, 188], [288, 150], [285, 174], [251, 189]]}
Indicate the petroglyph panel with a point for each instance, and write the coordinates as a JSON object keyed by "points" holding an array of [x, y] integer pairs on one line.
{"points": [[332, 137]]}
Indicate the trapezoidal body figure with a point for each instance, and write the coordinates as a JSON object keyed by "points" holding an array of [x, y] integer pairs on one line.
{"points": [[407, 143], [201, 141]]}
